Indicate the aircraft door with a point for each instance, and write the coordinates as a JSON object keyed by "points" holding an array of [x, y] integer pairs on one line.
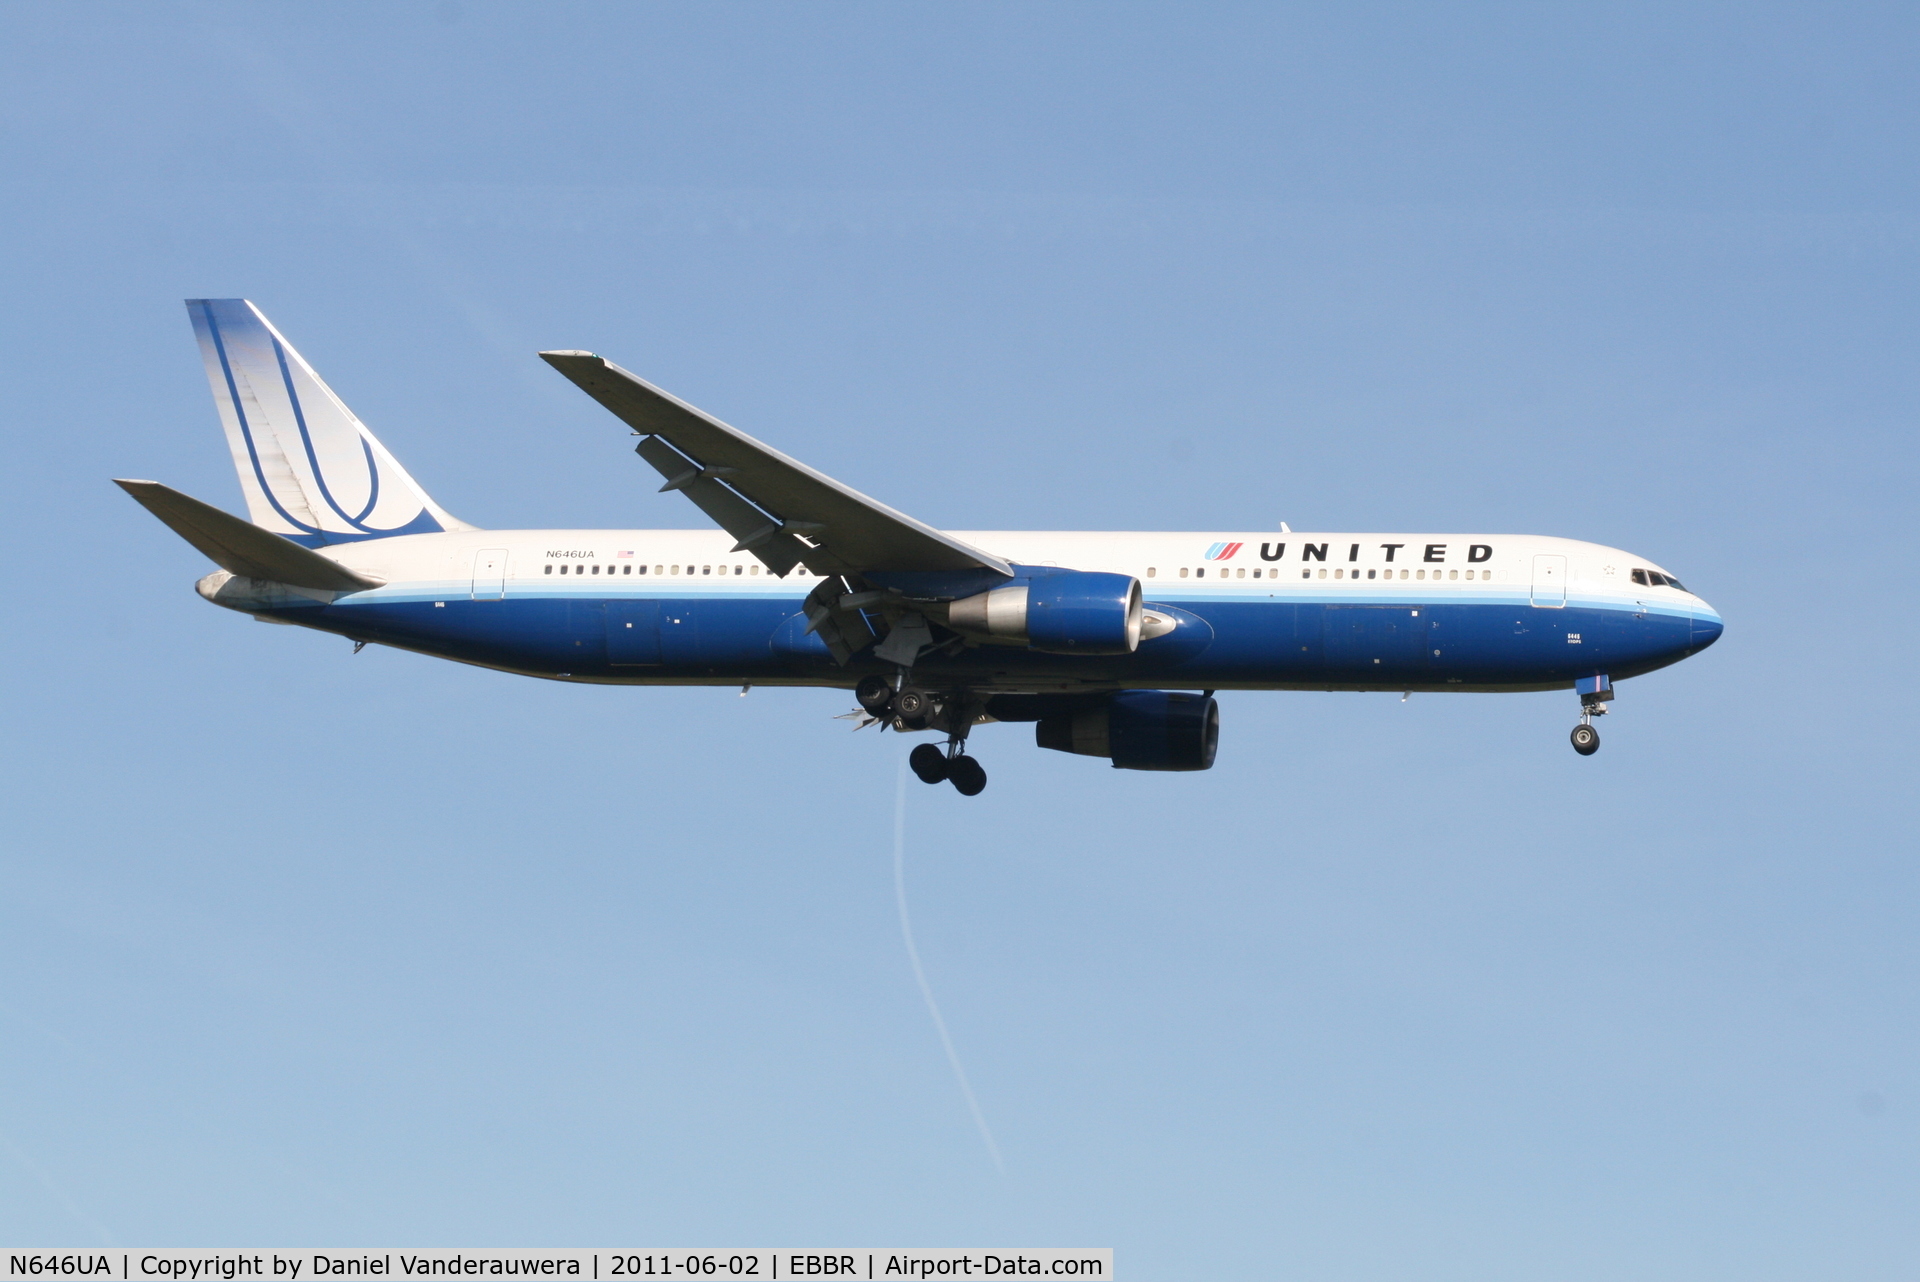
{"points": [[633, 633], [1550, 581], [489, 574]]}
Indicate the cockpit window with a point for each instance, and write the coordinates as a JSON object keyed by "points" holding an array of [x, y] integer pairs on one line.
{"points": [[1655, 579]]}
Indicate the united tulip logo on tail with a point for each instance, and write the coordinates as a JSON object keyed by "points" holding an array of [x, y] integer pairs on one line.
{"points": [[1223, 551]]}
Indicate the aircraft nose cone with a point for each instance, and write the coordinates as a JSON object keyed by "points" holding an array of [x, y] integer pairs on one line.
{"points": [[1706, 628]]}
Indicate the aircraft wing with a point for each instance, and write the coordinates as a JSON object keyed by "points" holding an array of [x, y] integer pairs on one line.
{"points": [[779, 509]]}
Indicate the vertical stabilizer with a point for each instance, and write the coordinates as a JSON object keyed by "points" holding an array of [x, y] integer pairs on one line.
{"points": [[309, 468]]}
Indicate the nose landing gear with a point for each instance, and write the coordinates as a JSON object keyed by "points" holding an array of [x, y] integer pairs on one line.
{"points": [[1595, 694]]}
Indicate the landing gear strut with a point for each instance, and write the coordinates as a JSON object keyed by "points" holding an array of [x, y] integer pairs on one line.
{"points": [[1595, 694]]}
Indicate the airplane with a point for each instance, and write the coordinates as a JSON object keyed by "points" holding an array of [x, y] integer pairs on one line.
{"points": [[1113, 645]]}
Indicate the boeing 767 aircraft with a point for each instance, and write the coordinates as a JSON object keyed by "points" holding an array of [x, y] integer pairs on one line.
{"points": [[1113, 644]]}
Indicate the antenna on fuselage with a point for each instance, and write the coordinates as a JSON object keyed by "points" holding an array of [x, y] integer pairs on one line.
{"points": [[1285, 528]]}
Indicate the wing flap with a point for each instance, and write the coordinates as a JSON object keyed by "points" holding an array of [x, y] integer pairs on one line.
{"points": [[757, 532], [857, 532], [244, 548]]}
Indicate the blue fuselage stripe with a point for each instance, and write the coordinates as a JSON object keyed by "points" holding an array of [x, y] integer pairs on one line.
{"points": [[712, 633]]}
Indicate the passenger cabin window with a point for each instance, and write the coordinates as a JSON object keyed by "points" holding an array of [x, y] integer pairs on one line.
{"points": [[549, 567]]}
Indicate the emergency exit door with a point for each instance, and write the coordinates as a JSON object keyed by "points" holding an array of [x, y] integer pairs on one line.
{"points": [[489, 574], [1550, 581]]}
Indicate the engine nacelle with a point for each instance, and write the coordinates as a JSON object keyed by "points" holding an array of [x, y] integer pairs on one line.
{"points": [[1140, 730], [1072, 612]]}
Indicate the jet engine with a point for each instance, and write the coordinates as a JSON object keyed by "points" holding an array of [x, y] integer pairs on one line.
{"points": [[1139, 730], [1072, 612]]}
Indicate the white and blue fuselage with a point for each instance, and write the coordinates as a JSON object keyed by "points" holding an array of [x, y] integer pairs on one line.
{"points": [[1286, 611]]}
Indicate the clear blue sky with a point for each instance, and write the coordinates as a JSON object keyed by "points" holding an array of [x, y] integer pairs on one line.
{"points": [[303, 948]]}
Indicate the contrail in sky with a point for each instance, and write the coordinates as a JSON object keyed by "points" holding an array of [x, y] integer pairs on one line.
{"points": [[920, 975]]}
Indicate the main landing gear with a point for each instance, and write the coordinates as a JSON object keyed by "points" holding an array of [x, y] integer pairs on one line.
{"points": [[956, 767], [909, 708], [1595, 694]]}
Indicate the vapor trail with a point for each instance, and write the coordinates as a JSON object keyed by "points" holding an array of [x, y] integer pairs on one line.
{"points": [[920, 975]]}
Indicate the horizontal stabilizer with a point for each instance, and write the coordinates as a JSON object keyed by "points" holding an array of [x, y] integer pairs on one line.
{"points": [[235, 545], [845, 531]]}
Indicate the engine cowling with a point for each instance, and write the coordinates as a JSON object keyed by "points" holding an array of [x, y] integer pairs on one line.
{"points": [[1139, 730], [1072, 612]]}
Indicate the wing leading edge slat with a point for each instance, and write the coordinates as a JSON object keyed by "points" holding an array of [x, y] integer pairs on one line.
{"points": [[746, 487]]}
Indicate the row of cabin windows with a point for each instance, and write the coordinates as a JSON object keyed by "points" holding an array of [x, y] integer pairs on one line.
{"points": [[736, 570], [1639, 576], [1655, 579], [1340, 573]]}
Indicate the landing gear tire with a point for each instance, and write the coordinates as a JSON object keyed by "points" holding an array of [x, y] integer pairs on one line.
{"points": [[912, 705], [929, 763], [1586, 740], [966, 774], [874, 694]]}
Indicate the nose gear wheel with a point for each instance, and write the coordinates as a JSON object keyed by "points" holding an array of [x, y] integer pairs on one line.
{"points": [[1593, 703]]}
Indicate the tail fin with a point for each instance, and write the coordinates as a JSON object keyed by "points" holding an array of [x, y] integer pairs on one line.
{"points": [[310, 470]]}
